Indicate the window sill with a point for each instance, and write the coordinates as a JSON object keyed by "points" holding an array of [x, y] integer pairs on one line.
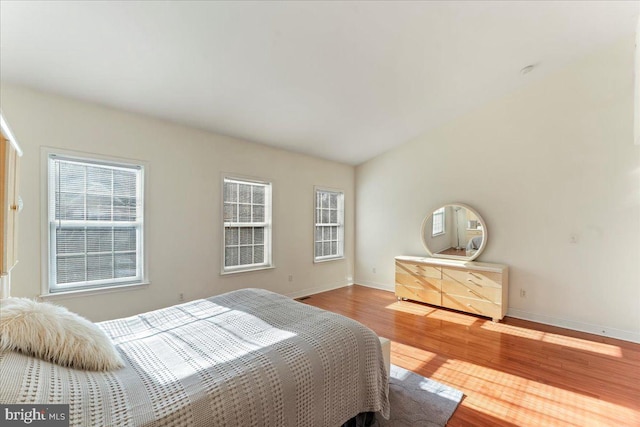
{"points": [[321, 260], [87, 292], [247, 270]]}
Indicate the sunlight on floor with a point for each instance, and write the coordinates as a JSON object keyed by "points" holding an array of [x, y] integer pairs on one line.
{"points": [[551, 338], [416, 360], [433, 313], [539, 403], [547, 337], [579, 344], [418, 309]]}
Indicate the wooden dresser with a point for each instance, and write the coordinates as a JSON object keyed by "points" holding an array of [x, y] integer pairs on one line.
{"points": [[474, 287]]}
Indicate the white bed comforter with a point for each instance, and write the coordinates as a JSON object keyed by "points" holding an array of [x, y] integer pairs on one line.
{"points": [[245, 358]]}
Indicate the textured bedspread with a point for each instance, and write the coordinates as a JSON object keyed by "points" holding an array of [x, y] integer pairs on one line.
{"points": [[245, 358]]}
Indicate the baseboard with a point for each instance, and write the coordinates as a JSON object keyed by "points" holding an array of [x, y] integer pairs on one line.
{"points": [[375, 285], [576, 326], [316, 290]]}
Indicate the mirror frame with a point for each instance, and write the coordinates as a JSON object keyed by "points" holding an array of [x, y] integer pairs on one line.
{"points": [[485, 234]]}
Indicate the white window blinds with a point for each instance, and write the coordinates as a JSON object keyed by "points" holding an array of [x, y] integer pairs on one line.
{"points": [[247, 225], [329, 228], [95, 223]]}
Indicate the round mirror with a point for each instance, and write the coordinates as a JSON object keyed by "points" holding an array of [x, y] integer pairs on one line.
{"points": [[454, 231]]}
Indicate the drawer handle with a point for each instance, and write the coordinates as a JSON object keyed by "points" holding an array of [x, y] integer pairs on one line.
{"points": [[471, 291], [475, 275], [471, 281], [472, 307]]}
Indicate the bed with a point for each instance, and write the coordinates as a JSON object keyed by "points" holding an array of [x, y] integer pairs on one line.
{"points": [[474, 243], [245, 358]]}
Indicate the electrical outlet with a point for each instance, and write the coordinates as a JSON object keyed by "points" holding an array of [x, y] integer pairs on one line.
{"points": [[523, 293], [373, 270], [180, 297], [291, 277]]}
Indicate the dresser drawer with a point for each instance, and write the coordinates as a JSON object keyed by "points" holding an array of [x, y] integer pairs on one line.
{"points": [[470, 290], [471, 305], [476, 278], [418, 269], [419, 282], [474, 287], [423, 295]]}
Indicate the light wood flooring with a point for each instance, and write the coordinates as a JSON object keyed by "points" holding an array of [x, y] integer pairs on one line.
{"points": [[513, 373]]}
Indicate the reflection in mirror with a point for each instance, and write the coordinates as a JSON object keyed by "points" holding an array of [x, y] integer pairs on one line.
{"points": [[454, 231]]}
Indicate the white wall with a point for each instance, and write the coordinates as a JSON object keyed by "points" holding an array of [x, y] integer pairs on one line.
{"points": [[553, 160], [183, 203], [637, 85]]}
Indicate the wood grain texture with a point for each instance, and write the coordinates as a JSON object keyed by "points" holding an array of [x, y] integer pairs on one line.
{"points": [[474, 287], [513, 373]]}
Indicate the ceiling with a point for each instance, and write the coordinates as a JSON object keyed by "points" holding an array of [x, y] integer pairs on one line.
{"points": [[344, 81]]}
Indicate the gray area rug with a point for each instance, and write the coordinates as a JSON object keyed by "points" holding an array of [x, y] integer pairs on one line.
{"points": [[418, 401]]}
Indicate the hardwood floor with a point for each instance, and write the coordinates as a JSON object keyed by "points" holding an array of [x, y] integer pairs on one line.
{"points": [[513, 373], [454, 251]]}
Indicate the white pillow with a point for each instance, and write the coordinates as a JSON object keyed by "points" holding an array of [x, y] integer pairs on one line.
{"points": [[55, 334]]}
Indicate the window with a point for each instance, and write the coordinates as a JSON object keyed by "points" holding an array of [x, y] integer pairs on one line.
{"points": [[438, 222], [247, 225], [95, 220], [329, 231]]}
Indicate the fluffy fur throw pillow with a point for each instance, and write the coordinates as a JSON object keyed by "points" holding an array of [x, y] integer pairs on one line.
{"points": [[55, 334]]}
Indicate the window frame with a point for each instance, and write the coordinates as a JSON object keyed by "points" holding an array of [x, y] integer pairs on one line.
{"points": [[438, 212], [49, 287], [340, 224], [267, 224]]}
